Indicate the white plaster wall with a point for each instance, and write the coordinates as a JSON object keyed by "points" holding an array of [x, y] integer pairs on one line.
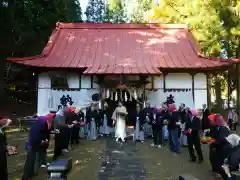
{"points": [[44, 84], [155, 98], [73, 80], [49, 99], [200, 98], [200, 81], [178, 81], [85, 82], [95, 85], [149, 85], [200, 90], [158, 82]]}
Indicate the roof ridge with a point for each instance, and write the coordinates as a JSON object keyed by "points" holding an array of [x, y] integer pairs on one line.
{"points": [[84, 25]]}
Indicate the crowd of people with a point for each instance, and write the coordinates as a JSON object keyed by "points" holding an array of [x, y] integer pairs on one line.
{"points": [[180, 127]]}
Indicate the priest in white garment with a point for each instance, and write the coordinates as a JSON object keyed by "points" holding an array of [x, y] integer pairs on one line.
{"points": [[119, 120]]}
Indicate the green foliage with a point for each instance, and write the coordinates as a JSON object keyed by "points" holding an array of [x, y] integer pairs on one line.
{"points": [[210, 21], [28, 23], [96, 11], [115, 11], [135, 10]]}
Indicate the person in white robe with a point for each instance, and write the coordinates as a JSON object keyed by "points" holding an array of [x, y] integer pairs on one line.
{"points": [[139, 117], [119, 120]]}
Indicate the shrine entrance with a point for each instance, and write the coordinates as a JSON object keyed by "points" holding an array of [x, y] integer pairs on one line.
{"points": [[129, 89]]}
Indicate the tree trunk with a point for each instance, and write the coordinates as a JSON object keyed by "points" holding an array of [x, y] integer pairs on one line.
{"points": [[218, 92]]}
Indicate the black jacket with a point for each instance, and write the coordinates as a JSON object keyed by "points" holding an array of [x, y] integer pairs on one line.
{"points": [[160, 117], [219, 133], [205, 120], [141, 117], [80, 116], [173, 119], [182, 115], [234, 158], [70, 117], [108, 114], [148, 112], [92, 115], [194, 125], [45, 135]]}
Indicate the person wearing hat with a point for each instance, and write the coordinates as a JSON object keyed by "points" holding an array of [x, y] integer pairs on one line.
{"points": [[3, 148], [192, 129], [62, 129], [45, 133], [218, 131], [38, 139], [174, 129]]}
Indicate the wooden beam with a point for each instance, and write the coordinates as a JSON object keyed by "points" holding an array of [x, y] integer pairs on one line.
{"points": [[209, 87], [152, 79], [164, 82], [193, 87]]}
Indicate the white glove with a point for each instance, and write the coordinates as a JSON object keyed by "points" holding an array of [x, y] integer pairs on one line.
{"points": [[206, 131]]}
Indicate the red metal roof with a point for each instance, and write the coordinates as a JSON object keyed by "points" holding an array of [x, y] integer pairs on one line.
{"points": [[122, 49]]}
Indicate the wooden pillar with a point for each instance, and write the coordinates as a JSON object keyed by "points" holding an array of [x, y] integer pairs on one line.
{"points": [[209, 88], [164, 82], [193, 87]]}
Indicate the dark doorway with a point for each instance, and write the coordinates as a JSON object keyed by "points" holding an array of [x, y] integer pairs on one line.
{"points": [[129, 103]]}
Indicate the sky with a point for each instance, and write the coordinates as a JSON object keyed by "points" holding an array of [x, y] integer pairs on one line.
{"points": [[83, 4]]}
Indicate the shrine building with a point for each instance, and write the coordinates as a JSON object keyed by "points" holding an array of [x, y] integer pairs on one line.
{"points": [[134, 62]]}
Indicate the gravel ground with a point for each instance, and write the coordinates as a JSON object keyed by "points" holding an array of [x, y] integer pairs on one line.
{"points": [[88, 158]]}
